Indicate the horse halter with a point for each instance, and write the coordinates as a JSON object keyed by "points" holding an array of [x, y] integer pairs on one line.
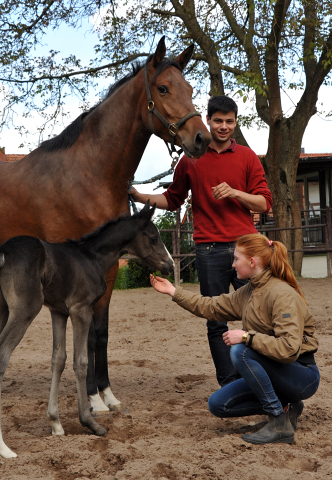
{"points": [[171, 127]]}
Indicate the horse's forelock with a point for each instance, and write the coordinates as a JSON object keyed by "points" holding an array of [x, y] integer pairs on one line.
{"points": [[163, 65]]}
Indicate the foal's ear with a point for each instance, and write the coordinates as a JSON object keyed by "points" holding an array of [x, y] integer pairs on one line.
{"points": [[146, 206], [150, 214], [160, 52], [185, 56], [147, 212], [153, 210]]}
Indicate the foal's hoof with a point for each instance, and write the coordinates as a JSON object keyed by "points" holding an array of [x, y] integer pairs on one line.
{"points": [[100, 431], [6, 452]]}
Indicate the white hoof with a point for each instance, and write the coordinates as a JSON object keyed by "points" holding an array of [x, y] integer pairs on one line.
{"points": [[6, 452], [110, 400], [97, 405]]}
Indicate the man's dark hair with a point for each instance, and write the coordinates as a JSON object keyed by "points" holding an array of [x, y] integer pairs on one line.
{"points": [[221, 103]]}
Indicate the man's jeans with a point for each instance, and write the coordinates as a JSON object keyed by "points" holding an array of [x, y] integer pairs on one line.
{"points": [[215, 274], [266, 385]]}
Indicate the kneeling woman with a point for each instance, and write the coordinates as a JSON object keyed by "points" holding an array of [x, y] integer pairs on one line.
{"points": [[274, 353]]}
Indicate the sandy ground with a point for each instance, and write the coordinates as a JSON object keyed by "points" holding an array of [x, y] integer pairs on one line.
{"points": [[162, 371]]}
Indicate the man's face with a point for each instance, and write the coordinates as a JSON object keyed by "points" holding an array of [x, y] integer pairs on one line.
{"points": [[222, 126]]}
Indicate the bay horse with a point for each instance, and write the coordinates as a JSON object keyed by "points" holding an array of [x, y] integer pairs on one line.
{"points": [[69, 278], [79, 179]]}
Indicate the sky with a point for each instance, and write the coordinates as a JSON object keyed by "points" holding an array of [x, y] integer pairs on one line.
{"points": [[317, 138]]}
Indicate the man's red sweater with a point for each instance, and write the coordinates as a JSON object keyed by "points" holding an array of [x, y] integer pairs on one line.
{"points": [[219, 220]]}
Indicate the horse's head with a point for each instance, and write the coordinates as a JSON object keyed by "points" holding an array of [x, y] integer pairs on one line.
{"points": [[169, 101], [148, 245]]}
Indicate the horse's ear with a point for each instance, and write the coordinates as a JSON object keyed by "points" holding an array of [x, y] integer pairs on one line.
{"points": [[160, 52], [185, 56]]}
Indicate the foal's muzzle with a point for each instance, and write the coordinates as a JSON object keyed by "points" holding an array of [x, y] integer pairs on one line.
{"points": [[167, 267]]}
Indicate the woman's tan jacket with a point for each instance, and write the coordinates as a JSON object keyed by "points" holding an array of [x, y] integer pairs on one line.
{"points": [[272, 312]]}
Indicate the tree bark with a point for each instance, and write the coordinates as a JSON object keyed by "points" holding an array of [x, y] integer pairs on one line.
{"points": [[281, 167]]}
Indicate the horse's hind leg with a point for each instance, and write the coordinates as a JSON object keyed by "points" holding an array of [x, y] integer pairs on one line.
{"points": [[81, 319], [59, 356]]}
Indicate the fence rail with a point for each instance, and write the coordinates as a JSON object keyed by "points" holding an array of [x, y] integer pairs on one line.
{"points": [[316, 227]]}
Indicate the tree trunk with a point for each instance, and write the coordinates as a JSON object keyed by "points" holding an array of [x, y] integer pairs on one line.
{"points": [[281, 166]]}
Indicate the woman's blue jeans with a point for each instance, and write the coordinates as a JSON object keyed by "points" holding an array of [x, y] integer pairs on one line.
{"points": [[266, 386], [215, 274]]}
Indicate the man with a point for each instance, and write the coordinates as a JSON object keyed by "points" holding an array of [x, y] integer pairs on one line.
{"points": [[226, 183]]}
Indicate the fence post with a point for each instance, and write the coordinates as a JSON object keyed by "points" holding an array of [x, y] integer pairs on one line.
{"points": [[176, 249], [329, 241]]}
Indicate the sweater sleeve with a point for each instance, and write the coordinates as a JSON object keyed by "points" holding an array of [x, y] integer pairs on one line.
{"points": [[256, 181], [288, 324], [226, 307], [177, 192]]}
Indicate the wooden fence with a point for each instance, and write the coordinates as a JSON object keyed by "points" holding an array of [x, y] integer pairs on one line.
{"points": [[316, 227]]}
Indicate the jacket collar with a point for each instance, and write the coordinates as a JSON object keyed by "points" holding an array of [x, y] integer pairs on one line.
{"points": [[260, 279]]}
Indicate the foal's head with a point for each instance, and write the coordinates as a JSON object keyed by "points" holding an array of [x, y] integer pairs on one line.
{"points": [[148, 245]]}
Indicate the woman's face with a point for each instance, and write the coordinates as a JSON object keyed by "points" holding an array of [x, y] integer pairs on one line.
{"points": [[242, 265]]}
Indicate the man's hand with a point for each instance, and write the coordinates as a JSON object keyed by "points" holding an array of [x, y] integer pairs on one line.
{"points": [[159, 199], [255, 203], [233, 336], [134, 193], [223, 191]]}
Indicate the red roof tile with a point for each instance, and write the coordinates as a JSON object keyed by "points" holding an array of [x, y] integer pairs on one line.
{"points": [[12, 157], [305, 155]]}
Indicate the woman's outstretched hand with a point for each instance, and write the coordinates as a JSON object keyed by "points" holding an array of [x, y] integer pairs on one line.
{"points": [[162, 285]]}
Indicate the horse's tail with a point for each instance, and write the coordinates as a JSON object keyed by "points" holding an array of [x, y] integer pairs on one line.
{"points": [[2, 259]]}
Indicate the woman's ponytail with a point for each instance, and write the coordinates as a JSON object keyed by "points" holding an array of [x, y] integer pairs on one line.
{"points": [[273, 255]]}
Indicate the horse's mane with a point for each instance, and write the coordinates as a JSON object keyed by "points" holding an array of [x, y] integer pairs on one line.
{"points": [[99, 230], [71, 133]]}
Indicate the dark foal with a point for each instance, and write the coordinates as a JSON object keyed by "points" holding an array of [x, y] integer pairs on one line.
{"points": [[69, 278]]}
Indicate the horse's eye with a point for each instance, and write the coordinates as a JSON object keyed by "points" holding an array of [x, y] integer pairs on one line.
{"points": [[154, 240], [162, 89]]}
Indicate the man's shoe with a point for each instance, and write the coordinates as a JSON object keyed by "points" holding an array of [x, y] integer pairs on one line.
{"points": [[278, 430], [295, 410]]}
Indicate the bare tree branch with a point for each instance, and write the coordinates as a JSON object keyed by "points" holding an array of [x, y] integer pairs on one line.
{"points": [[79, 72]]}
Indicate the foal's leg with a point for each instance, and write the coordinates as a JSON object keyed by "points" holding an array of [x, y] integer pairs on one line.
{"points": [[81, 319], [98, 379], [4, 312], [20, 317], [59, 356]]}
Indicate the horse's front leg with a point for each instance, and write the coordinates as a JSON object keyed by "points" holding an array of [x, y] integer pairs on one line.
{"points": [[59, 356], [98, 380], [81, 319]]}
